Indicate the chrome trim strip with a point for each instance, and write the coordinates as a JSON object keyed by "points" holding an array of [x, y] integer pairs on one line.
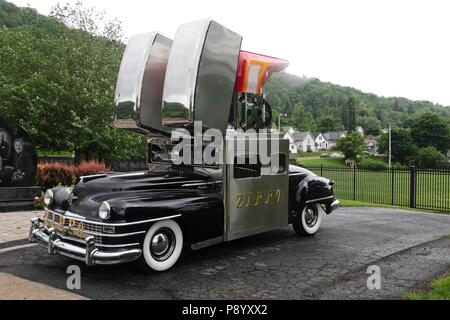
{"points": [[319, 199], [200, 184], [118, 245], [93, 175], [73, 215], [111, 235], [128, 175], [117, 224]]}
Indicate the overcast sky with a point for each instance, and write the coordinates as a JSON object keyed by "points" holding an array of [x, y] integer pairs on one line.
{"points": [[390, 48]]}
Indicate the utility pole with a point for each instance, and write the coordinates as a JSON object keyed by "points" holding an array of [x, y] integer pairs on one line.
{"points": [[390, 146], [279, 120]]}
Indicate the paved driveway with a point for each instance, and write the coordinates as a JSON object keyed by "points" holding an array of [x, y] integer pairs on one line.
{"points": [[410, 248]]}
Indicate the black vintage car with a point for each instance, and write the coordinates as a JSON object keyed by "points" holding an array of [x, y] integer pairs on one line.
{"points": [[165, 86]]}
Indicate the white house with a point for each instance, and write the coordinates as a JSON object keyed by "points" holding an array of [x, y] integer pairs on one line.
{"points": [[299, 141], [305, 141], [288, 133], [320, 142], [331, 138]]}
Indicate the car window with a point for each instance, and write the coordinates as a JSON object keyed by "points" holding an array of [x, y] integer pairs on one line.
{"points": [[246, 167], [279, 167]]}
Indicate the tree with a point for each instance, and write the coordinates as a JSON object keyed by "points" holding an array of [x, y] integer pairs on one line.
{"points": [[431, 130], [403, 148], [58, 82], [350, 114], [352, 146], [370, 125], [329, 123], [301, 119], [430, 158]]}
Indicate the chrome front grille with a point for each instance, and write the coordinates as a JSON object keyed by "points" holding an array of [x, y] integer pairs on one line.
{"points": [[73, 229]]}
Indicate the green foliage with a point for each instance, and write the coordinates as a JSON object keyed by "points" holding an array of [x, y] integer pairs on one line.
{"points": [[371, 125], [431, 158], [321, 99], [12, 16], [372, 164], [403, 147], [59, 82], [301, 119], [329, 123], [352, 146], [431, 130]]}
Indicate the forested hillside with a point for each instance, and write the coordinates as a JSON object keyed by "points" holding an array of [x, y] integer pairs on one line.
{"points": [[311, 104], [58, 75]]}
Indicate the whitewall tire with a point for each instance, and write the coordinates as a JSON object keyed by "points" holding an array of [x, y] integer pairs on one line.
{"points": [[162, 246], [308, 220]]}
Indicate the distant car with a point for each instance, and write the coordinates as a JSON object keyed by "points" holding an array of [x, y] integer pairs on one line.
{"points": [[336, 155], [325, 155]]}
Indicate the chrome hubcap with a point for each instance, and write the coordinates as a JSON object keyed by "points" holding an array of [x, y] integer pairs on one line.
{"points": [[162, 244], [311, 216]]}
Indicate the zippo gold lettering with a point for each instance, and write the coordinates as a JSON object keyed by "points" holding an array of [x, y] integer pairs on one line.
{"points": [[265, 198], [259, 197], [278, 195], [249, 199], [239, 201], [269, 197]]}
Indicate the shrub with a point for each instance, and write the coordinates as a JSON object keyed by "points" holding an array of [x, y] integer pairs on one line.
{"points": [[372, 164], [430, 158], [89, 168], [52, 174]]}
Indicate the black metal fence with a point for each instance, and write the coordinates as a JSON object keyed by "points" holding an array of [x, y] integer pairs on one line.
{"points": [[415, 188]]}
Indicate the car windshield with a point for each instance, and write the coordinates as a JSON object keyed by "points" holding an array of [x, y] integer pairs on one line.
{"points": [[165, 153]]}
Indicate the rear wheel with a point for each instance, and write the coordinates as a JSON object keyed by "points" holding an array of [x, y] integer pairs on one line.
{"points": [[162, 246], [308, 220]]}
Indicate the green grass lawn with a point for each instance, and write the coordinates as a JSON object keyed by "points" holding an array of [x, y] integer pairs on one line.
{"points": [[48, 153], [439, 290], [309, 154], [316, 162], [360, 204]]}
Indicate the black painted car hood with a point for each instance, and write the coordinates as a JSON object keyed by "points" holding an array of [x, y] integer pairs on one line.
{"points": [[136, 187]]}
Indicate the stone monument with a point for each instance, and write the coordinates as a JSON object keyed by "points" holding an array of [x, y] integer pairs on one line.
{"points": [[18, 165]]}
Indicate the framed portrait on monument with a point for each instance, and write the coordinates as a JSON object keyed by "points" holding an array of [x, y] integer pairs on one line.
{"points": [[18, 157]]}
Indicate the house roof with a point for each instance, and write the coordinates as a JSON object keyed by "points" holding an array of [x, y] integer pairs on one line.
{"points": [[285, 130], [333, 136], [300, 136]]}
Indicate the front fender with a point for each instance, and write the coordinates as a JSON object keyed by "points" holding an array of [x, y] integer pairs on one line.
{"points": [[314, 189]]}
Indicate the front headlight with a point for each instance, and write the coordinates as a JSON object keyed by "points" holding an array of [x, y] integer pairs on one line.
{"points": [[48, 197], [104, 211]]}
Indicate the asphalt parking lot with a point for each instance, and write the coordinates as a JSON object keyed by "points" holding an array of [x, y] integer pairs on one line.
{"points": [[410, 248]]}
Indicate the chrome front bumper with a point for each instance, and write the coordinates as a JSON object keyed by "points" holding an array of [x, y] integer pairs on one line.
{"points": [[332, 206], [90, 254]]}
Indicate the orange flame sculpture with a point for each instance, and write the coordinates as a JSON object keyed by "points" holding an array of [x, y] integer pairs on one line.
{"points": [[254, 69]]}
